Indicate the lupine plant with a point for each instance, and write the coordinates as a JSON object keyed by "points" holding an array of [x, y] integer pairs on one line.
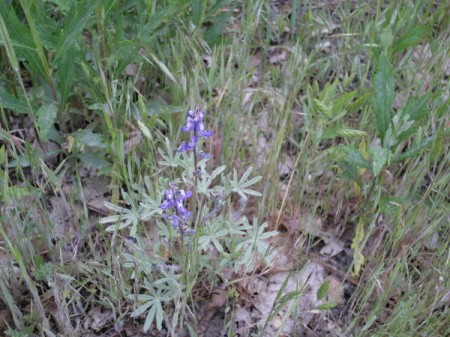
{"points": [[197, 213]]}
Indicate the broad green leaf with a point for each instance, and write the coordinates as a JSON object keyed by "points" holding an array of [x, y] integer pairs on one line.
{"points": [[438, 147], [89, 138], [214, 32], [8, 101], [46, 116], [198, 11], [386, 37], [25, 4], [414, 150], [380, 157], [343, 101], [76, 21], [16, 34], [411, 38], [416, 107], [350, 172], [390, 205], [323, 290], [147, 32], [95, 160], [327, 306], [383, 83], [353, 156], [406, 134], [8, 43], [66, 74]]}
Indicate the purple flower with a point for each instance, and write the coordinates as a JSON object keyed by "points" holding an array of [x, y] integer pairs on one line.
{"points": [[194, 124], [188, 146], [204, 155], [173, 198]]}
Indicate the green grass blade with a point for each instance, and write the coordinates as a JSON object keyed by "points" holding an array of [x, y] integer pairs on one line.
{"points": [[77, 20], [8, 45]]}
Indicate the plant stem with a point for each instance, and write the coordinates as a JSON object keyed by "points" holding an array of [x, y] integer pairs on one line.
{"points": [[194, 205]]}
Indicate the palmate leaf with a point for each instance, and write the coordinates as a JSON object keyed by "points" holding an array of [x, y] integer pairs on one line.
{"points": [[123, 220], [207, 179], [240, 186], [154, 308], [170, 158], [255, 245], [161, 291], [212, 234]]}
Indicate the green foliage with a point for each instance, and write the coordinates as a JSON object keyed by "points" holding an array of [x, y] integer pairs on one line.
{"points": [[240, 186], [46, 116], [98, 88], [383, 95], [167, 289], [323, 290], [8, 101], [255, 245], [411, 38]]}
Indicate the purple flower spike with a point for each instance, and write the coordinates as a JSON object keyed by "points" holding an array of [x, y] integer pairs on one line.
{"points": [[206, 133], [194, 124], [188, 146], [204, 155], [189, 231], [173, 198]]}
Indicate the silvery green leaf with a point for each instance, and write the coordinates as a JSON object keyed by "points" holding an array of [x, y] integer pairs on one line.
{"points": [[46, 116], [141, 309], [88, 137], [380, 158]]}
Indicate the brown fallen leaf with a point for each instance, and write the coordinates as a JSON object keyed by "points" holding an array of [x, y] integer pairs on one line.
{"points": [[335, 290], [218, 299]]}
